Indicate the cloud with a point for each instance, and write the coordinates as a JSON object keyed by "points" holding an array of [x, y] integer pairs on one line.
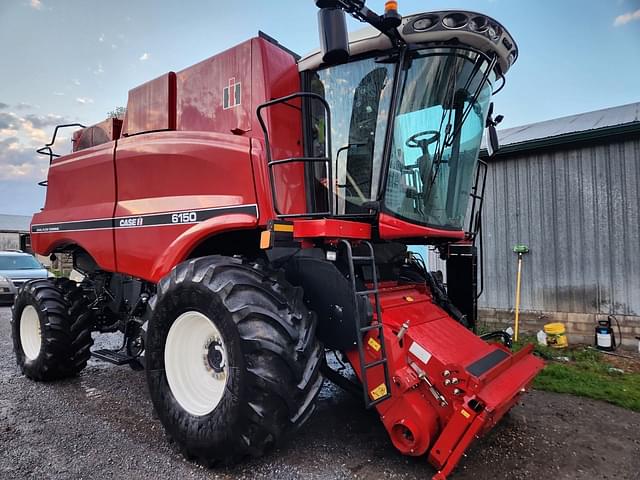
{"points": [[101, 37], [19, 136], [9, 143], [29, 127], [76, 82], [9, 121], [24, 106], [58, 94], [626, 18], [144, 56], [36, 136], [113, 46], [19, 162], [3, 106], [84, 100], [99, 70], [50, 119], [36, 4]]}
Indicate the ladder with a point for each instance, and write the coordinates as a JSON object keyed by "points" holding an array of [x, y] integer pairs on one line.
{"points": [[376, 325]]}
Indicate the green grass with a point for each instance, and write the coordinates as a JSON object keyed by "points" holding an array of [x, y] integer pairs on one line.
{"points": [[586, 374]]}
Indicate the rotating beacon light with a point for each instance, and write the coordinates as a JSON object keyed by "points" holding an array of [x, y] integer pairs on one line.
{"points": [[391, 17]]}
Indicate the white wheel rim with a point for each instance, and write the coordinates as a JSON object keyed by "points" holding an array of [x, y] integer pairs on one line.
{"points": [[195, 385], [30, 335]]}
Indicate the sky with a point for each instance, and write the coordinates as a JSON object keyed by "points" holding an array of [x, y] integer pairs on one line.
{"points": [[75, 60]]}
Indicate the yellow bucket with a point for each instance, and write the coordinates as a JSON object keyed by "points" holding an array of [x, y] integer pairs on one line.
{"points": [[556, 337]]}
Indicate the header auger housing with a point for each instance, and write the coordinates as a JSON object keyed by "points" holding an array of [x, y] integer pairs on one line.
{"points": [[254, 209]]}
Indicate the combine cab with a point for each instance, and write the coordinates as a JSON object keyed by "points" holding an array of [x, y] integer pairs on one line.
{"points": [[253, 211]]}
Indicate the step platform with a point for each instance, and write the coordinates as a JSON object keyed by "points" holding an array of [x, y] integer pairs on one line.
{"points": [[112, 356]]}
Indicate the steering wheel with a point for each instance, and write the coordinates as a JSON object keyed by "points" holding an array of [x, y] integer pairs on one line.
{"points": [[414, 141]]}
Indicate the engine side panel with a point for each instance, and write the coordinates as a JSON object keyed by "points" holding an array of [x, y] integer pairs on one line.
{"points": [[81, 194], [172, 182]]}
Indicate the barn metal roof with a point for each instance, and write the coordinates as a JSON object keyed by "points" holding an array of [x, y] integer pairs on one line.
{"points": [[583, 126], [14, 223]]}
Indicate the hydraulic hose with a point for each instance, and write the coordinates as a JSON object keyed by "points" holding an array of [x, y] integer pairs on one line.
{"points": [[504, 336]]}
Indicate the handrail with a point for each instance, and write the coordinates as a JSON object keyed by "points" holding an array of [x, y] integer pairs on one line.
{"points": [[46, 150], [326, 159]]}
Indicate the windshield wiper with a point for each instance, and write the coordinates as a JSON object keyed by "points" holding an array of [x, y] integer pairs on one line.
{"points": [[450, 136], [442, 143], [474, 98]]}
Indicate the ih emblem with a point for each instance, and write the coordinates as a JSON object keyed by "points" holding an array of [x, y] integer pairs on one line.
{"points": [[231, 94]]}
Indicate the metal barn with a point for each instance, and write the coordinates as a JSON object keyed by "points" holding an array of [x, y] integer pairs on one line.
{"points": [[569, 189]]}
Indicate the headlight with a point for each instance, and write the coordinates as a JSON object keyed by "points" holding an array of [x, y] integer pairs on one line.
{"points": [[5, 282]]}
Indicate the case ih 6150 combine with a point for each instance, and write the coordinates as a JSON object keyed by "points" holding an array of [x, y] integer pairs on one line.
{"points": [[253, 212]]}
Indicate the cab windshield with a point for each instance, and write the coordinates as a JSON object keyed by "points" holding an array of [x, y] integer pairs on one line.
{"points": [[437, 130]]}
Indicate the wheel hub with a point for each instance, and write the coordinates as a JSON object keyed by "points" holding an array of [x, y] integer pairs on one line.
{"points": [[215, 356]]}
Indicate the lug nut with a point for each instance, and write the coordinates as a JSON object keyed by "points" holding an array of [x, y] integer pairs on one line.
{"points": [[457, 391], [447, 382], [454, 381], [446, 373]]}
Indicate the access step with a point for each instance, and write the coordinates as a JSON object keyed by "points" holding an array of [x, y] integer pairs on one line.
{"points": [[112, 356]]}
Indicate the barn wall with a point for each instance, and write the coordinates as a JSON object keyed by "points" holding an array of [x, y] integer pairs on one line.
{"points": [[578, 211], [9, 240]]}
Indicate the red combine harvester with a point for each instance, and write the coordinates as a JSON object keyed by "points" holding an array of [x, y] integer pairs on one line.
{"points": [[252, 213]]}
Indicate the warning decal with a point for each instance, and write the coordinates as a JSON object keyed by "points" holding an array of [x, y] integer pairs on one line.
{"points": [[373, 343], [379, 391]]}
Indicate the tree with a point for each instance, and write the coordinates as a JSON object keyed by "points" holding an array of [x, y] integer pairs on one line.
{"points": [[118, 112]]}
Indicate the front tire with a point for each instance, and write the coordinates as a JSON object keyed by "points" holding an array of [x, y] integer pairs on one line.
{"points": [[51, 329], [232, 359]]}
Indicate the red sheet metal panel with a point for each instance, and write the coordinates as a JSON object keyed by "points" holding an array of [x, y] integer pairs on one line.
{"points": [[392, 228], [331, 228], [275, 74], [151, 106], [81, 188], [103, 132], [186, 173], [215, 94]]}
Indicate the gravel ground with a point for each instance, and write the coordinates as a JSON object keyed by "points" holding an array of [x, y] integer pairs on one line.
{"points": [[101, 425]]}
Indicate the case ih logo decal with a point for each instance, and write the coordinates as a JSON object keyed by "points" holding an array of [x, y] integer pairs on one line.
{"points": [[231, 94], [183, 217], [131, 222]]}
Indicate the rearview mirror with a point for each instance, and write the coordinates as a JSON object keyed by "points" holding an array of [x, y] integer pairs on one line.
{"points": [[493, 145], [334, 39]]}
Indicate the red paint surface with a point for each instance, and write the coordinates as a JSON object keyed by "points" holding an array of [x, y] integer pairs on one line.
{"points": [[151, 106], [392, 228], [81, 187], [331, 228], [178, 171]]}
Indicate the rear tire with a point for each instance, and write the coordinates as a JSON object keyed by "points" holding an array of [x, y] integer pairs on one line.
{"points": [[251, 373], [51, 328]]}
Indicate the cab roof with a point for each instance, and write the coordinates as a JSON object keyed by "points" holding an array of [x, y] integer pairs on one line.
{"points": [[467, 28]]}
